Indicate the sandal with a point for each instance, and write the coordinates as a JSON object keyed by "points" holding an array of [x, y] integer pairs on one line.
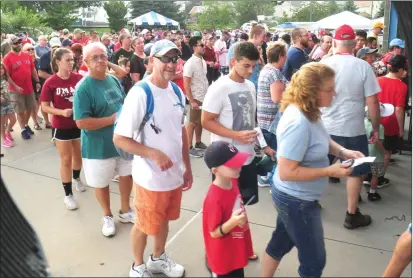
{"points": [[37, 127], [254, 257], [48, 126]]}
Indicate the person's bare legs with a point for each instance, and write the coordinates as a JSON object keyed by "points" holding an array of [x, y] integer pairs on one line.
{"points": [[76, 155], [103, 197], [354, 185], [138, 240], [4, 120], [45, 117], [191, 129], [387, 157], [12, 121], [402, 256], [125, 188], [33, 114], [22, 119], [268, 266], [65, 154], [198, 133], [160, 240]]}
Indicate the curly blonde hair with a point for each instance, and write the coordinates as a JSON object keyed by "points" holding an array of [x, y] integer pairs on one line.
{"points": [[304, 87]]}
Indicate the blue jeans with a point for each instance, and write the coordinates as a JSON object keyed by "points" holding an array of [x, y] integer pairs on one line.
{"points": [[298, 224]]}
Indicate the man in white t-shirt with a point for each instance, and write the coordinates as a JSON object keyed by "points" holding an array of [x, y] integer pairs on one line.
{"points": [[229, 114], [196, 86], [356, 86], [161, 149], [221, 49]]}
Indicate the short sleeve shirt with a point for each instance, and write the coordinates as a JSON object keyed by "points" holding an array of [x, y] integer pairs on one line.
{"points": [[196, 69], [304, 141], [345, 116], [19, 67], [97, 99], [295, 59]]}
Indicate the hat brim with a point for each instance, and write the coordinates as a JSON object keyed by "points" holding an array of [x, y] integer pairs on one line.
{"points": [[386, 109], [166, 50], [238, 160]]}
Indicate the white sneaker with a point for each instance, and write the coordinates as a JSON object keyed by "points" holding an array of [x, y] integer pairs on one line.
{"points": [[166, 266], [108, 228], [116, 178], [127, 217], [70, 202], [139, 271], [79, 185]]}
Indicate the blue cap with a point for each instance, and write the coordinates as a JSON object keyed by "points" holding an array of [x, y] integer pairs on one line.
{"points": [[397, 42], [161, 47]]}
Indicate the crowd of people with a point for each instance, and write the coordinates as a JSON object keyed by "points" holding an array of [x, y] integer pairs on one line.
{"points": [[117, 105]]}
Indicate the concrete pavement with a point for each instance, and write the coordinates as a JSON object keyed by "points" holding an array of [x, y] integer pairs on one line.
{"points": [[75, 246]]}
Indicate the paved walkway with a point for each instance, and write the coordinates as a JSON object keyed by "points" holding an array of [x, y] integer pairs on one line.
{"points": [[75, 246]]}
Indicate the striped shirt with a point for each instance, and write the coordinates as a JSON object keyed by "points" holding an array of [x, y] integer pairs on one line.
{"points": [[266, 108]]}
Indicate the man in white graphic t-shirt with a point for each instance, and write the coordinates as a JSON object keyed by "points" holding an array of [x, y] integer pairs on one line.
{"points": [[229, 114]]}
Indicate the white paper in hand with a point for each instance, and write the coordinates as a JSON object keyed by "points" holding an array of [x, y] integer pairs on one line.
{"points": [[358, 161]]}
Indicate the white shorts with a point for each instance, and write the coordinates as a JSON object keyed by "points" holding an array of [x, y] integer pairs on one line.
{"points": [[99, 172]]}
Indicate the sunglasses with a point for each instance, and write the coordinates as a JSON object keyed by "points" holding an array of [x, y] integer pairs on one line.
{"points": [[167, 60], [17, 43]]}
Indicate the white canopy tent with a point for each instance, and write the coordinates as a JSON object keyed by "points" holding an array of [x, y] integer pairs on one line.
{"points": [[334, 21], [152, 19]]}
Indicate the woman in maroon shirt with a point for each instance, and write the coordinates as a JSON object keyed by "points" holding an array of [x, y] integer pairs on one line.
{"points": [[211, 60], [59, 90]]}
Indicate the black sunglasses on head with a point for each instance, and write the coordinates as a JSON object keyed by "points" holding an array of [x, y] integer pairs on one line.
{"points": [[167, 60]]}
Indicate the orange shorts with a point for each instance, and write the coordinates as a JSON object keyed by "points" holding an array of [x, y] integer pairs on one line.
{"points": [[153, 208]]}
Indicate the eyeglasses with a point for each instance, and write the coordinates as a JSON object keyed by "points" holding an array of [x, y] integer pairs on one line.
{"points": [[167, 60], [97, 58]]}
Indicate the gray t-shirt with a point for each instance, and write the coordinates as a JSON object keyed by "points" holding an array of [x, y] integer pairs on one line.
{"points": [[355, 80], [307, 142]]}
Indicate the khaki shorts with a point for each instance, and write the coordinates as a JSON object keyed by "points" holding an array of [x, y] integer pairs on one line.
{"points": [[22, 103], [195, 115], [153, 208]]}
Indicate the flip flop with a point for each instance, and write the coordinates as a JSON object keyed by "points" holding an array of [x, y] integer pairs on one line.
{"points": [[48, 126], [37, 127], [254, 257]]}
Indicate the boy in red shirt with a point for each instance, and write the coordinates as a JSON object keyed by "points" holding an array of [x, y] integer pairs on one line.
{"points": [[227, 236], [393, 91]]}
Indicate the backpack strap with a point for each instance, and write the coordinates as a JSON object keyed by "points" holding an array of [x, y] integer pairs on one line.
{"points": [[150, 106], [177, 92]]}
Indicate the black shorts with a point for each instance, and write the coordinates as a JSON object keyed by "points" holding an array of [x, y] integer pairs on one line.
{"points": [[248, 183], [391, 143], [66, 134]]}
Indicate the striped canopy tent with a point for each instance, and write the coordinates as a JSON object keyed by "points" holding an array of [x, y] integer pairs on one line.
{"points": [[151, 18]]}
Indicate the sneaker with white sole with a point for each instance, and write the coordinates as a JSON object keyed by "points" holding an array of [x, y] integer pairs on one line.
{"points": [[70, 202], [116, 178], [264, 181], [165, 265], [79, 185], [108, 228], [139, 271], [127, 217]]}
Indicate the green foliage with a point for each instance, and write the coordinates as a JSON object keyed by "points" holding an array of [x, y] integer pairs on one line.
{"points": [[315, 11], [59, 14], [249, 10], [350, 6], [380, 12], [19, 19], [366, 15], [284, 19], [218, 15], [166, 8], [116, 12]]}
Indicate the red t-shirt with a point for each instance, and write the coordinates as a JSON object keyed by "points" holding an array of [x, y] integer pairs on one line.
{"points": [[60, 92], [393, 91], [230, 252], [209, 54], [19, 67], [116, 47]]}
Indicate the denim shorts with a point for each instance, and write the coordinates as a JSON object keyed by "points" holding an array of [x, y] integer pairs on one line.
{"points": [[357, 143], [298, 224]]}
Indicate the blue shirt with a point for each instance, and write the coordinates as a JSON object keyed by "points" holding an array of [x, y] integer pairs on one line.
{"points": [[97, 99], [40, 50], [307, 142], [295, 59], [254, 76]]}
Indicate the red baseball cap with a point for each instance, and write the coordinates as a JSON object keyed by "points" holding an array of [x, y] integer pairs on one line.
{"points": [[344, 33]]}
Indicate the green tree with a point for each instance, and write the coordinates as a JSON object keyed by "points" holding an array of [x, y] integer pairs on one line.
{"points": [[380, 12], [60, 15], [19, 19], [249, 10], [350, 6], [333, 7], [218, 15], [313, 11], [284, 19], [166, 8], [116, 12], [366, 15]]}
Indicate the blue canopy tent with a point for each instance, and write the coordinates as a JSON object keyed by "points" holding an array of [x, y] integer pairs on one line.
{"points": [[286, 25], [151, 18]]}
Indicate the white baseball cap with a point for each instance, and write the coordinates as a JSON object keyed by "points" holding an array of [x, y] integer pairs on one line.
{"points": [[386, 109]]}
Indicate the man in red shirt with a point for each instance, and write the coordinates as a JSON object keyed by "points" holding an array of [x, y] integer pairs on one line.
{"points": [[227, 236], [393, 91], [396, 47], [78, 36], [21, 70]]}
